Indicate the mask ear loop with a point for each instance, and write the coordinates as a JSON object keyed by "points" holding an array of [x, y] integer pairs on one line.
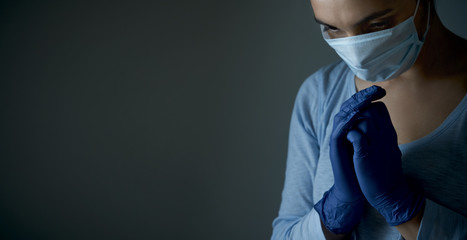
{"points": [[427, 22], [416, 8]]}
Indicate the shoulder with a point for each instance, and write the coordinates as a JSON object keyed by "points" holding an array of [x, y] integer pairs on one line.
{"points": [[326, 86], [328, 80], [321, 94]]}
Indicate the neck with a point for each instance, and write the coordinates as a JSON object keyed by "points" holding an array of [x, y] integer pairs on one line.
{"points": [[439, 49]]}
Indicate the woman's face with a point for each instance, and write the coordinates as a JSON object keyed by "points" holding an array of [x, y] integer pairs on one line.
{"points": [[344, 18]]}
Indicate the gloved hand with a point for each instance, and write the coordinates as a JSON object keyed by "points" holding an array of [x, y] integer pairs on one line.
{"points": [[341, 207], [378, 165]]}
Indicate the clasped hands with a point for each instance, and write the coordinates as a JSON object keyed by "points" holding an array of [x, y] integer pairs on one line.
{"points": [[366, 163]]}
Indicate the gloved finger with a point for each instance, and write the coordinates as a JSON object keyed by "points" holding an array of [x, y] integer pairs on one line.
{"points": [[375, 110], [362, 161], [345, 118], [359, 141], [375, 121], [379, 110], [364, 123], [362, 99]]}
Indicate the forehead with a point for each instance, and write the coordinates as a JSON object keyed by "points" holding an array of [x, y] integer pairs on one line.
{"points": [[338, 12]]}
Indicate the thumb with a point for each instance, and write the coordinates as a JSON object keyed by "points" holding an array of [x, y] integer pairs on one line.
{"points": [[359, 142]]}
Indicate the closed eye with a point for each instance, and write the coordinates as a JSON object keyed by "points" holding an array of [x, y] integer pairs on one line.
{"points": [[326, 27], [329, 28], [379, 25]]}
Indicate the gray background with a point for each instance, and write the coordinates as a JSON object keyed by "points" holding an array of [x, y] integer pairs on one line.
{"points": [[151, 119]]}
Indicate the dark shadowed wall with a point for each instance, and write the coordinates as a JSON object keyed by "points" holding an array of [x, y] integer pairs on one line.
{"points": [[149, 119]]}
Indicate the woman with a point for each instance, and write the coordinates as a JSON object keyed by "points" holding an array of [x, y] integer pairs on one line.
{"points": [[378, 141]]}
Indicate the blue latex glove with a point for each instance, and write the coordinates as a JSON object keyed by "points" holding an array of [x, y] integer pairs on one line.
{"points": [[378, 165], [341, 207]]}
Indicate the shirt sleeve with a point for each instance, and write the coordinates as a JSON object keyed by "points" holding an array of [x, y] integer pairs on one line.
{"points": [[297, 219], [439, 222]]}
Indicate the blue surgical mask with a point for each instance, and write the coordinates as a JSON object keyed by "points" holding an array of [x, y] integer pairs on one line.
{"points": [[382, 55]]}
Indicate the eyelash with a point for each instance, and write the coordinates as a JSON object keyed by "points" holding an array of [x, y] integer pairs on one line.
{"points": [[379, 25], [327, 28]]}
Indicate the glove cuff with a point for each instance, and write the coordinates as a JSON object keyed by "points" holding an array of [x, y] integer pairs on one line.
{"points": [[401, 205], [339, 217]]}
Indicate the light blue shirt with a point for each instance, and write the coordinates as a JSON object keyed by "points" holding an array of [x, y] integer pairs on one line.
{"points": [[437, 163]]}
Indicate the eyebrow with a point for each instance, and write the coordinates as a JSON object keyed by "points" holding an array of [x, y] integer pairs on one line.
{"points": [[323, 23], [363, 20]]}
